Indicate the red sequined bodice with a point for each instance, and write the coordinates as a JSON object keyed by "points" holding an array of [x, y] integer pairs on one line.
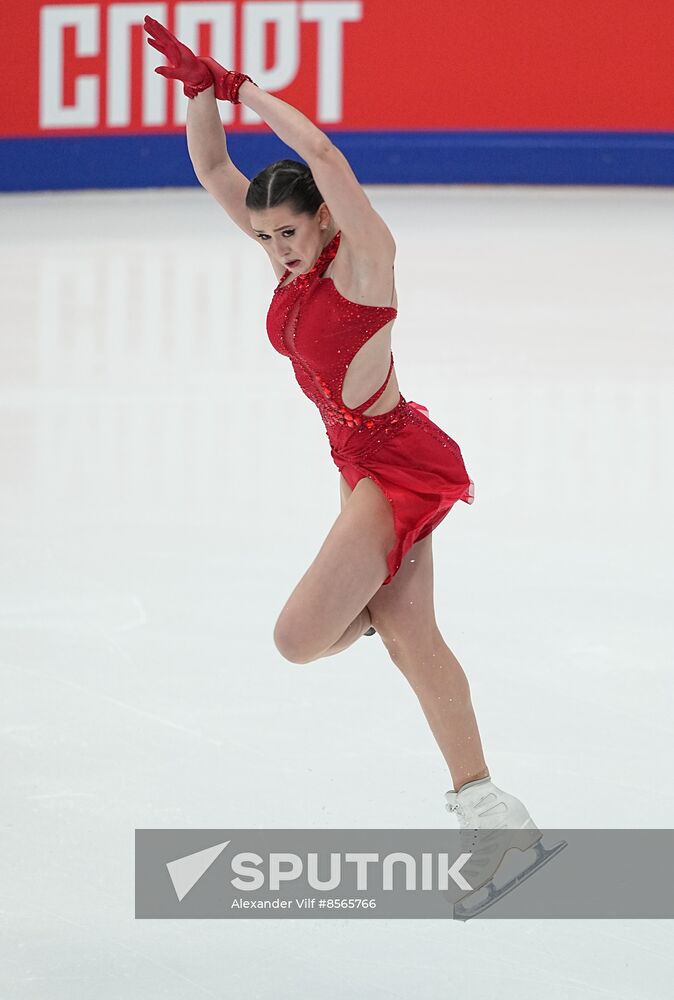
{"points": [[321, 332]]}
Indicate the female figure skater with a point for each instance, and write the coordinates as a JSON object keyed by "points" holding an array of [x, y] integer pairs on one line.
{"points": [[332, 314]]}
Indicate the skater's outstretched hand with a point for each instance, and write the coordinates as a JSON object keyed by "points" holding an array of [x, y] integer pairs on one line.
{"points": [[197, 73], [184, 64]]}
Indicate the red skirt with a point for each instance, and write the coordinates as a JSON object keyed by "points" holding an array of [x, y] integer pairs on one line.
{"points": [[418, 468]]}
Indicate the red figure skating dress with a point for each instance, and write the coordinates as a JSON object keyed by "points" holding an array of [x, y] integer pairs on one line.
{"points": [[418, 467]]}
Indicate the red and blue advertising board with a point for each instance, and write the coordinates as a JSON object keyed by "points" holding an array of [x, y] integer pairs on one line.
{"points": [[518, 91]]}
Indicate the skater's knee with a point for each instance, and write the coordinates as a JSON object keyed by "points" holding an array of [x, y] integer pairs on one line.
{"points": [[290, 644]]}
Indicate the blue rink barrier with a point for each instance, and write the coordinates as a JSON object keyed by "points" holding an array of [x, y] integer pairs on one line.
{"points": [[428, 157]]}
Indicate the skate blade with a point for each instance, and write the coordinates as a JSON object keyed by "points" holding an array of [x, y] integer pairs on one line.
{"points": [[543, 855]]}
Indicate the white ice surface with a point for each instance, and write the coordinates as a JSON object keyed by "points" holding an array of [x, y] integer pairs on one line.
{"points": [[164, 486]]}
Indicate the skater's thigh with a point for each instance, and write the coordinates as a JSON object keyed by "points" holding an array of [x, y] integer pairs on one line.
{"points": [[345, 491]]}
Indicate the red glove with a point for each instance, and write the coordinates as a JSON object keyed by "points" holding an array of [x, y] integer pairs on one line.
{"points": [[184, 65], [196, 73], [227, 82]]}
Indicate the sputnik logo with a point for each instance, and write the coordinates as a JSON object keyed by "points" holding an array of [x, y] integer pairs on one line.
{"points": [[186, 872]]}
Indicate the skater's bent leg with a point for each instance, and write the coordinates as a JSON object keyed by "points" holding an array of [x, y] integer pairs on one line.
{"points": [[349, 568]]}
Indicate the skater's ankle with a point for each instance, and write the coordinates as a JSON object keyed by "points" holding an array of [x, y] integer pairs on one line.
{"points": [[482, 776]]}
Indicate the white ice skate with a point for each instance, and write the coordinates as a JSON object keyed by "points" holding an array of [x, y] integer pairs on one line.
{"points": [[492, 822]]}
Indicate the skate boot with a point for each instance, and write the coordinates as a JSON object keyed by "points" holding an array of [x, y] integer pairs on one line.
{"points": [[491, 823]]}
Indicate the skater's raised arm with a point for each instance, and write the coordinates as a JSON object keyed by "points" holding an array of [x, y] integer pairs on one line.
{"points": [[215, 171], [205, 135], [206, 142], [349, 205]]}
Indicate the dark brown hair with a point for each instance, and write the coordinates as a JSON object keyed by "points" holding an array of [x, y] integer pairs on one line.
{"points": [[285, 182]]}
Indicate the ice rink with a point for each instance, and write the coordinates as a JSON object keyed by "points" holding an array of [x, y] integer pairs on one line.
{"points": [[165, 484]]}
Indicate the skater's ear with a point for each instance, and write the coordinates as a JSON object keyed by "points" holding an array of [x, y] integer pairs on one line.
{"points": [[323, 216]]}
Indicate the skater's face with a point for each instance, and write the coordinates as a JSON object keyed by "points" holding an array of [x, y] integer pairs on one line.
{"points": [[293, 241]]}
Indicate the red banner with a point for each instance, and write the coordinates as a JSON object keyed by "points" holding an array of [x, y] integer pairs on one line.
{"points": [[84, 68]]}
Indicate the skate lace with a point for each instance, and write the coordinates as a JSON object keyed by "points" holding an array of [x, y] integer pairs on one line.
{"points": [[466, 814], [458, 808], [473, 839], [467, 833]]}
